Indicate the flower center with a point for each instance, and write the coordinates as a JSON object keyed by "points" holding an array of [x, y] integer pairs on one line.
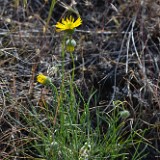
{"points": [[70, 26]]}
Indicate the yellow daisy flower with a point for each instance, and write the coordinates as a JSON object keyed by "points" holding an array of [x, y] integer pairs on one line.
{"points": [[68, 24], [43, 79]]}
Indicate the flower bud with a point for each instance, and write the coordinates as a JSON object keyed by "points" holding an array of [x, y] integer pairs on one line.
{"points": [[43, 79], [70, 45], [124, 114]]}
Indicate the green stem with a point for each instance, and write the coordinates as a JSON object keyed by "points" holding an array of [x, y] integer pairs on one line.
{"points": [[73, 70]]}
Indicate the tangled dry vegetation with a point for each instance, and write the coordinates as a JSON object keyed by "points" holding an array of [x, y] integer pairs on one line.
{"points": [[118, 55]]}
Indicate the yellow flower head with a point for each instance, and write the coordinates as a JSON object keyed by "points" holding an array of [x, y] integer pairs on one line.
{"points": [[43, 79], [68, 24]]}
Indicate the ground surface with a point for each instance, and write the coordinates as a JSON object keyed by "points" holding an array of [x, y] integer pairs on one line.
{"points": [[118, 55]]}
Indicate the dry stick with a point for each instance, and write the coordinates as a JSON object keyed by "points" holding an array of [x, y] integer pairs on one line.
{"points": [[115, 71], [100, 32], [141, 66], [128, 44], [31, 86]]}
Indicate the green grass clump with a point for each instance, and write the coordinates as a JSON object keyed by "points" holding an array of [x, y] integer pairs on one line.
{"points": [[67, 130]]}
